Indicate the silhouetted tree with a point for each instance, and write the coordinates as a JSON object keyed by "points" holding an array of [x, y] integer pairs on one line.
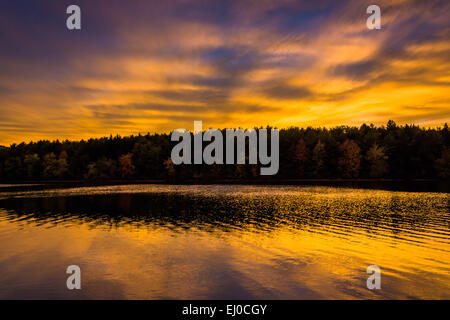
{"points": [[377, 160], [92, 172], [13, 168], [443, 164], [318, 158], [106, 168], [350, 159], [127, 168], [147, 158], [301, 157], [32, 165], [392, 151], [53, 167], [170, 167]]}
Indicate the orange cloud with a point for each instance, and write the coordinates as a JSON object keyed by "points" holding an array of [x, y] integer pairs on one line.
{"points": [[234, 64]]}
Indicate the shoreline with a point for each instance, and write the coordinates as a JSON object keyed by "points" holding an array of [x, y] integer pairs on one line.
{"points": [[413, 185], [204, 181]]}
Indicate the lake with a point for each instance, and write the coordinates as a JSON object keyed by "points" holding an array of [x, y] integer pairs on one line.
{"points": [[223, 242]]}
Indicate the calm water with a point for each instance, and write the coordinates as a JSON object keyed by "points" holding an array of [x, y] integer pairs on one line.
{"points": [[222, 242]]}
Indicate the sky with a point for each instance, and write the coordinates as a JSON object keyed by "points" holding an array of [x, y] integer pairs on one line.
{"points": [[143, 66]]}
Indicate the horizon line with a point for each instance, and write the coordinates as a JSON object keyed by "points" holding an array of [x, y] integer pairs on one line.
{"points": [[371, 125]]}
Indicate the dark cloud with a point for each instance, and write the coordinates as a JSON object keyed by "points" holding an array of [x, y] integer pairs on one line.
{"points": [[145, 106], [359, 70], [283, 91], [415, 24], [193, 96], [299, 16]]}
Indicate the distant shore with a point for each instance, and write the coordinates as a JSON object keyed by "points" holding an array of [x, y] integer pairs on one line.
{"points": [[205, 181], [422, 185]]}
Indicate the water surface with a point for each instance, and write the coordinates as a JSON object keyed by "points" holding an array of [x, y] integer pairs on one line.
{"points": [[223, 242]]}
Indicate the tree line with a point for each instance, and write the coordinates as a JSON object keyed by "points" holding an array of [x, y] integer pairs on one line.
{"points": [[385, 152]]}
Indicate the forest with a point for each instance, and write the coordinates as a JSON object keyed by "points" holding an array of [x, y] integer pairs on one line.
{"points": [[344, 152]]}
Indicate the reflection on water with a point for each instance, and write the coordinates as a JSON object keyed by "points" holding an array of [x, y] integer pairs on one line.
{"points": [[219, 242]]}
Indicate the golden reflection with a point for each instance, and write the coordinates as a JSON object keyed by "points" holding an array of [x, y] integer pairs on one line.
{"points": [[238, 242]]}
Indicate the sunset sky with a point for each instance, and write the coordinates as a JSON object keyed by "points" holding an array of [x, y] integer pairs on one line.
{"points": [[155, 66]]}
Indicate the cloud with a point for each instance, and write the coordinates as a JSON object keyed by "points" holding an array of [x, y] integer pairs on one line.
{"points": [[158, 65], [282, 91]]}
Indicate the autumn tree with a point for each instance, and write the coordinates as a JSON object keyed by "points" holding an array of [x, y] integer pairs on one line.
{"points": [[32, 166], [53, 167], [301, 157], [377, 161], [350, 159], [169, 166], [106, 168], [412, 152], [50, 165], [318, 158], [63, 166], [126, 165], [92, 172], [63, 155]]}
